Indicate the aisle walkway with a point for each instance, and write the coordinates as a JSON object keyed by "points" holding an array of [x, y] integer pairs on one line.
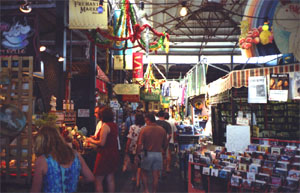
{"points": [[171, 183]]}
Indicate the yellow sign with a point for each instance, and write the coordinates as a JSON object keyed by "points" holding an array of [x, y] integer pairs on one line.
{"points": [[119, 62], [83, 14], [127, 89]]}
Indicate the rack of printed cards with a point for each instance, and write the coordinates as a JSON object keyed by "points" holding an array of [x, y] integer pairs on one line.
{"points": [[261, 168]]}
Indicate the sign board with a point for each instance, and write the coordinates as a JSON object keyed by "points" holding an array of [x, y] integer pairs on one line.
{"points": [[242, 121], [153, 96], [83, 14], [114, 104], [257, 89], [237, 138], [127, 89], [279, 87], [83, 112], [296, 85], [131, 98]]}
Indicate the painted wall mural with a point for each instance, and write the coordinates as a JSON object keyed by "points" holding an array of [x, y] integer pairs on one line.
{"points": [[283, 17]]}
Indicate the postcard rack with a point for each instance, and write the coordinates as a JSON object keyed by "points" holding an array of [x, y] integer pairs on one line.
{"points": [[261, 168]]}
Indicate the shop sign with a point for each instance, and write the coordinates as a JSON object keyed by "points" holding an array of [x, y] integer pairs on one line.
{"points": [[153, 96], [127, 89], [257, 89], [131, 98], [242, 121], [114, 104], [279, 87], [83, 112], [17, 36], [83, 14]]}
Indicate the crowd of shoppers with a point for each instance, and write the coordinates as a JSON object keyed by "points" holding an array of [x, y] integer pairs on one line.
{"points": [[148, 138]]}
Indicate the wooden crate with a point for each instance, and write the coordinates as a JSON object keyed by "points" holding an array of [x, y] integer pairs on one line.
{"points": [[19, 92]]}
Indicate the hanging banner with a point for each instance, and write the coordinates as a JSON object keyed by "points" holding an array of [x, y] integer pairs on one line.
{"points": [[83, 14], [296, 86], [279, 87], [17, 35], [137, 73], [119, 58], [257, 89]]}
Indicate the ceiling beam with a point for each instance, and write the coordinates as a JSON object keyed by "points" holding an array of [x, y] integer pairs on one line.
{"points": [[204, 47], [196, 53], [74, 42], [203, 40]]}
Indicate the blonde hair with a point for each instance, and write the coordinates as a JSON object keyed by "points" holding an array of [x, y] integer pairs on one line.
{"points": [[50, 142]]}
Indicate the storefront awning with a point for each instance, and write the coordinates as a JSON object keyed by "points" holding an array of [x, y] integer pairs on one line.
{"points": [[239, 78], [101, 81]]}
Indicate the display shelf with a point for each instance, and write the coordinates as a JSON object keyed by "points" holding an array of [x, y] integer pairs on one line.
{"points": [[18, 91]]}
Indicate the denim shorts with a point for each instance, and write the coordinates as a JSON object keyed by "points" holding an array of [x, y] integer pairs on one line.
{"points": [[153, 161]]}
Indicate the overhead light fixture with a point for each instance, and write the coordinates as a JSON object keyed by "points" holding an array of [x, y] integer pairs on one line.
{"points": [[183, 11], [42, 48], [60, 58], [100, 8], [25, 8]]}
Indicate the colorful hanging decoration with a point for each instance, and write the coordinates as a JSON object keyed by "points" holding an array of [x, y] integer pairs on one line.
{"points": [[248, 37], [133, 32], [150, 83], [122, 56]]}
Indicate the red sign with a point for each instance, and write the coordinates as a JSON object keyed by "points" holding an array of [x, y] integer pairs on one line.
{"points": [[137, 73], [131, 98]]}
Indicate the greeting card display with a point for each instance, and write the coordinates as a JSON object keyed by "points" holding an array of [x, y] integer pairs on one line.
{"points": [[243, 167], [282, 164], [256, 161], [292, 183], [251, 176], [275, 150], [276, 180], [263, 177], [294, 174], [254, 168], [235, 180], [247, 184], [259, 185], [224, 174], [206, 171], [214, 172]]}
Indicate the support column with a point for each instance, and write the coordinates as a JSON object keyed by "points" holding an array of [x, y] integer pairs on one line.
{"points": [[92, 84], [60, 41]]}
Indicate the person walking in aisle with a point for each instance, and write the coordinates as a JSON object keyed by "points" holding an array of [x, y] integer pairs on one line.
{"points": [[131, 146], [164, 124], [108, 157], [171, 146], [152, 142], [58, 166]]}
